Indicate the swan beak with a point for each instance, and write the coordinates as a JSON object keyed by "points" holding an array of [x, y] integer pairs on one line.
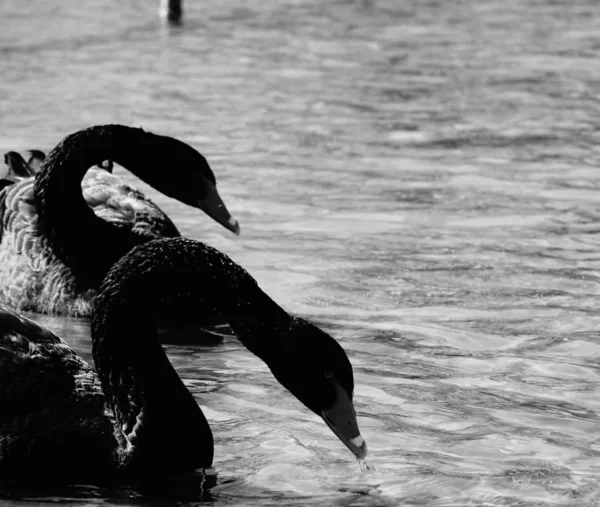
{"points": [[215, 208], [341, 418]]}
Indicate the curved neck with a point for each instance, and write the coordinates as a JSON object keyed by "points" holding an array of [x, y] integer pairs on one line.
{"points": [[159, 425], [158, 420], [82, 241]]}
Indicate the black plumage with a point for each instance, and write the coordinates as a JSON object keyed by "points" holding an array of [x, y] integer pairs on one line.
{"points": [[62, 228], [136, 417]]}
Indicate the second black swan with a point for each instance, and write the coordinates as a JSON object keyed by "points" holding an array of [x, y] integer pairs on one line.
{"points": [[135, 417], [62, 229]]}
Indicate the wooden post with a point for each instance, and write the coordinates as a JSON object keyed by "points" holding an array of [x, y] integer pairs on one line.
{"points": [[171, 10]]}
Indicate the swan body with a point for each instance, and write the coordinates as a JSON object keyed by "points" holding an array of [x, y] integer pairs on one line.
{"points": [[62, 226], [34, 279], [134, 417], [52, 406], [38, 281]]}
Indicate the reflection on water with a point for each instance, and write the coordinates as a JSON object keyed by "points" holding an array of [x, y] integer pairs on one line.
{"points": [[418, 178]]}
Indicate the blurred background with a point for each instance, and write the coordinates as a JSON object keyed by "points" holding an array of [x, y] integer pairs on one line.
{"points": [[418, 178]]}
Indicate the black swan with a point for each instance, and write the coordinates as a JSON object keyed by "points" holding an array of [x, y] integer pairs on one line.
{"points": [[61, 230], [134, 417]]}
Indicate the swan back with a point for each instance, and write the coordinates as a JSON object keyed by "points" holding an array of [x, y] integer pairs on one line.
{"points": [[32, 278], [51, 407]]}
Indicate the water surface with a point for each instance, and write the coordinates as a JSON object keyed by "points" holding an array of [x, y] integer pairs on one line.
{"points": [[419, 178]]}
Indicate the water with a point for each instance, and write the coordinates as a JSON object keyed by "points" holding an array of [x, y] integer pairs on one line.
{"points": [[418, 178]]}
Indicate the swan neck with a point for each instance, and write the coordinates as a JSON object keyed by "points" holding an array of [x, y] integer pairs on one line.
{"points": [[81, 240], [133, 368], [263, 332], [158, 422]]}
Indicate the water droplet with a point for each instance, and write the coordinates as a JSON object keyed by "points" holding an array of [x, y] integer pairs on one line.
{"points": [[365, 466]]}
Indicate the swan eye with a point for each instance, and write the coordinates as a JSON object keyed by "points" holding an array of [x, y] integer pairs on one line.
{"points": [[328, 375]]}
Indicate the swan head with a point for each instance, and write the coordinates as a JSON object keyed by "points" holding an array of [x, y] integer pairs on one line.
{"points": [[318, 372], [215, 208], [181, 172]]}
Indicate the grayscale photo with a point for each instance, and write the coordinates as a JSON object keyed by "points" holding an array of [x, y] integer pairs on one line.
{"points": [[299, 253]]}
